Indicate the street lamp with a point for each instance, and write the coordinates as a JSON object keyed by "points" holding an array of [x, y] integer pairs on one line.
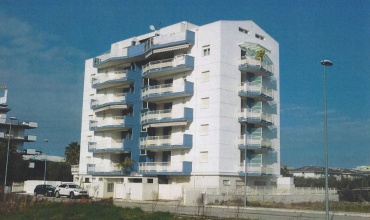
{"points": [[326, 63], [45, 158], [7, 153], [245, 178]]}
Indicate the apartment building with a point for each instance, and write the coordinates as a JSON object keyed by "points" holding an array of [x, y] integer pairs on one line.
{"points": [[190, 106], [18, 129]]}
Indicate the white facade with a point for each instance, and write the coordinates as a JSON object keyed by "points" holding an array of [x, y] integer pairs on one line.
{"points": [[184, 103]]}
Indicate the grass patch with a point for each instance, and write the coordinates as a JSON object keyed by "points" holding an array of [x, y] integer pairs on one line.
{"points": [[59, 211]]}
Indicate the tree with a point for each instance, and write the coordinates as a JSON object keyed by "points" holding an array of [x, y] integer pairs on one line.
{"points": [[284, 171], [17, 167], [72, 153], [127, 164]]}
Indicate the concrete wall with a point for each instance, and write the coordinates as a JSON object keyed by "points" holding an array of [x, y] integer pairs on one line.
{"points": [[136, 191], [217, 199], [170, 192], [29, 185]]}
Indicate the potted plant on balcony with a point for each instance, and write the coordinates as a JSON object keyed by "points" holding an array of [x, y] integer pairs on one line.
{"points": [[126, 165], [260, 54]]}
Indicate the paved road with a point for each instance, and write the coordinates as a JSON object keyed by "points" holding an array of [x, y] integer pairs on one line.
{"points": [[242, 212]]}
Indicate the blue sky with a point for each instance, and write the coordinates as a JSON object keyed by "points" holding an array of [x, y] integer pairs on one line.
{"points": [[43, 45]]}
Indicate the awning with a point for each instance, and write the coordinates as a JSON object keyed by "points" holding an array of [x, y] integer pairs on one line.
{"points": [[165, 49], [167, 124], [253, 47], [111, 107]]}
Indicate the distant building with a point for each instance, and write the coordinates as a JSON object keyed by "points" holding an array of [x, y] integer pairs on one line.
{"points": [[317, 172], [18, 128], [363, 169]]}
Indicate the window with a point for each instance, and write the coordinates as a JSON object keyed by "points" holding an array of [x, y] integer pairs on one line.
{"points": [[206, 50], [110, 187], [226, 182], [243, 30], [203, 157], [204, 76], [259, 183], [150, 181], [87, 180], [260, 37], [204, 129], [135, 180], [204, 102]]}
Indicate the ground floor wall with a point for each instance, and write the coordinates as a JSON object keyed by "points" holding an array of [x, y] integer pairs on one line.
{"points": [[197, 190]]}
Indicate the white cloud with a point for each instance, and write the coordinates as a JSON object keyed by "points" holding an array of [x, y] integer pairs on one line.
{"points": [[44, 76]]}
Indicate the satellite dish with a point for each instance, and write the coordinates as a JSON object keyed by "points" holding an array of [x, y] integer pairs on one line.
{"points": [[152, 27]]}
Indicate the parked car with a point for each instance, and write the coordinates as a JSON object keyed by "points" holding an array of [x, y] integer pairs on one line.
{"points": [[71, 190], [46, 190]]}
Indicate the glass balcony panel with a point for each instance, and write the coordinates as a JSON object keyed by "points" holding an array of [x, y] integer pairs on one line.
{"points": [[247, 87], [104, 168], [164, 167], [160, 89], [167, 91], [252, 61], [156, 115], [155, 140], [101, 78], [104, 100], [104, 145], [256, 169], [163, 64], [245, 140], [247, 113], [116, 122], [74, 169], [169, 38]]}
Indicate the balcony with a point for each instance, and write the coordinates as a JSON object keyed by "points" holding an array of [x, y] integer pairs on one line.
{"points": [[256, 117], [258, 92], [167, 142], [27, 138], [256, 66], [154, 45], [254, 143], [116, 100], [111, 123], [167, 91], [166, 168], [255, 170], [167, 67], [74, 169], [110, 79], [30, 138], [26, 125], [167, 117], [110, 146], [103, 169]]}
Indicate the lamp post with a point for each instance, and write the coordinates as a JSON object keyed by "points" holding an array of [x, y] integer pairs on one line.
{"points": [[45, 158], [326, 63], [245, 179], [7, 153]]}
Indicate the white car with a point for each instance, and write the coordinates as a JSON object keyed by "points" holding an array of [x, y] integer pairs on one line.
{"points": [[71, 190]]}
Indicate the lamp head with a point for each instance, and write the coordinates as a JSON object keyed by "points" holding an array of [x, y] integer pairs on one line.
{"points": [[326, 63]]}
